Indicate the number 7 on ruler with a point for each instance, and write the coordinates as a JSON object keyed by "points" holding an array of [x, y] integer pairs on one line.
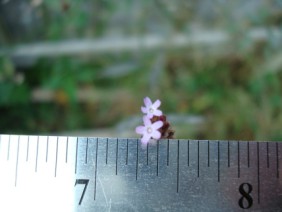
{"points": [[85, 182]]}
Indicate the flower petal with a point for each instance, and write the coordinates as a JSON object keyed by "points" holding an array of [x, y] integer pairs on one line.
{"points": [[140, 130], [158, 113], [157, 103], [144, 110], [146, 138], [157, 125], [147, 102], [149, 115], [146, 120], [156, 135]]}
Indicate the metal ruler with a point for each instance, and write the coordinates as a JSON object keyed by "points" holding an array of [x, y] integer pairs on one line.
{"points": [[49, 173]]}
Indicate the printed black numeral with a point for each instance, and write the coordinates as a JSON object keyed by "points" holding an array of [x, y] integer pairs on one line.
{"points": [[245, 196], [85, 182]]}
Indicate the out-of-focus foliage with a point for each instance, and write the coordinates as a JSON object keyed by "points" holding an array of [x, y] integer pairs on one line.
{"points": [[235, 88], [12, 90]]}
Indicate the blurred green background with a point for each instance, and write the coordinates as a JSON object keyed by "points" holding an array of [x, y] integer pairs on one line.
{"points": [[83, 67]]}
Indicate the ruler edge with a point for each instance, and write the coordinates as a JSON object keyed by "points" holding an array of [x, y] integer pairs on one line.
{"points": [[138, 139]]}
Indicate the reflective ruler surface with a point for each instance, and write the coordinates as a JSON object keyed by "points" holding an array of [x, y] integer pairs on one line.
{"points": [[49, 173]]}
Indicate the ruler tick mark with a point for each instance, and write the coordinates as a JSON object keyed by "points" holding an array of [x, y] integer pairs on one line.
{"points": [[248, 153], [136, 158], [157, 158], [56, 161], [37, 146], [8, 152], [258, 177], [208, 153], [277, 160], [198, 159], [17, 162], [167, 159], [147, 154], [107, 145], [218, 161], [228, 154], [177, 185], [76, 151], [188, 153], [96, 159], [126, 151], [47, 146], [27, 148], [267, 155], [67, 149], [238, 159], [117, 156], [86, 151]]}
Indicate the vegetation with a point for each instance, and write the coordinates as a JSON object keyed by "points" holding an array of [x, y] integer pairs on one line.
{"points": [[236, 87]]}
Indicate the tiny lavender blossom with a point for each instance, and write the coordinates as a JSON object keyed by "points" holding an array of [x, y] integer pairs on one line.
{"points": [[151, 109], [150, 130]]}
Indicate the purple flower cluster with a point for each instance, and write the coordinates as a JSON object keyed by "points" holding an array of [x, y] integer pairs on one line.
{"points": [[150, 130]]}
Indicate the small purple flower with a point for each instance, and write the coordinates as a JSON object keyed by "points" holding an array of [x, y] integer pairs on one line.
{"points": [[151, 109], [150, 130]]}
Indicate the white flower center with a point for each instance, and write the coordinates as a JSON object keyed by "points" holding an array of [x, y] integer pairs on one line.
{"points": [[149, 130], [151, 110]]}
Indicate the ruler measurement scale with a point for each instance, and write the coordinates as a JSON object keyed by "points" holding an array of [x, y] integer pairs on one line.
{"points": [[176, 162]]}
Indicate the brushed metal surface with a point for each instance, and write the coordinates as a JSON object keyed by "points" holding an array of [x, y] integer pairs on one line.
{"points": [[49, 173]]}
